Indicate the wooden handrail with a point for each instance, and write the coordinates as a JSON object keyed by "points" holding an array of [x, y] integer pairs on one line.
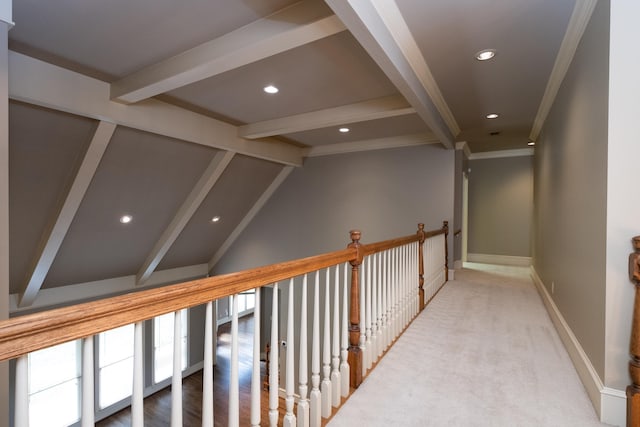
{"points": [[32, 332]]}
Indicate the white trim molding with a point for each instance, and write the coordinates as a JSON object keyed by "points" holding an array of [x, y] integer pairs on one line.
{"points": [[577, 24], [462, 145], [372, 144], [520, 152], [519, 261], [610, 404]]}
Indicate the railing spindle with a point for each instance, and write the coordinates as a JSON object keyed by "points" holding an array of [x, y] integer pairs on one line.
{"points": [[374, 311], [355, 353], [368, 353], [255, 372], [274, 373], [176, 379], [303, 402], [21, 414], [363, 315], [289, 418], [87, 417], [137, 395], [335, 336], [315, 415], [379, 309], [207, 370], [344, 354], [326, 350]]}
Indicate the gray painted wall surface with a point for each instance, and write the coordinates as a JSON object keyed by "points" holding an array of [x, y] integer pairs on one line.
{"points": [[571, 192], [501, 206], [462, 164], [383, 193]]}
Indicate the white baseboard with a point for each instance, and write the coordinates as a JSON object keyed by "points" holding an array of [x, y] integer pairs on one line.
{"points": [[520, 261], [452, 274], [610, 404], [457, 264]]}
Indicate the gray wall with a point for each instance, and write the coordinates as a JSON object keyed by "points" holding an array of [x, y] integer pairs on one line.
{"points": [[383, 193], [501, 206], [461, 166], [570, 192]]}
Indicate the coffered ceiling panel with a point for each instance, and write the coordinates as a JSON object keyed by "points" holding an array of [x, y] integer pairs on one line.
{"points": [[237, 190], [327, 73], [371, 129], [45, 150], [143, 175], [117, 37]]}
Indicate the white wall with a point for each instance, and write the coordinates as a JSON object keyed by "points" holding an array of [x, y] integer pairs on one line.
{"points": [[623, 198]]}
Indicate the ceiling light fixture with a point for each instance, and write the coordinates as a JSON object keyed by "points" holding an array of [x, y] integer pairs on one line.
{"points": [[531, 143], [270, 89], [126, 219], [344, 130], [492, 116], [215, 219], [486, 54]]}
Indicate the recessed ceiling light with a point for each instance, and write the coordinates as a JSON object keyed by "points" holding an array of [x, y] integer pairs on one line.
{"points": [[270, 89], [492, 116], [485, 54], [531, 143], [344, 130], [215, 219], [126, 219]]}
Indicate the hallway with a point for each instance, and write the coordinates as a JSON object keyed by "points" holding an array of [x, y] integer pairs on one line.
{"points": [[483, 353]]}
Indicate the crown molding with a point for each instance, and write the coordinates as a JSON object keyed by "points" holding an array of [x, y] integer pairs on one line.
{"points": [[373, 144], [577, 24], [521, 152]]}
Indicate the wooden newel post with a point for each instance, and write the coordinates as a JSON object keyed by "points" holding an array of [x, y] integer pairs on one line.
{"points": [[421, 239], [633, 390], [445, 226], [355, 353]]}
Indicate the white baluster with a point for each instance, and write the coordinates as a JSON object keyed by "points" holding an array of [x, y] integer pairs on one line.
{"points": [[315, 414], [289, 417], [176, 379], [368, 315], [326, 351], [363, 339], [255, 372], [383, 301], [274, 373], [380, 281], [344, 353], [207, 370], [416, 275], [137, 396], [335, 336], [374, 309], [87, 417], [303, 402], [21, 414], [397, 289], [386, 302]]}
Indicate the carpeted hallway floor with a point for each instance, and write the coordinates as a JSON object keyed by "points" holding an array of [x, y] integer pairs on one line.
{"points": [[483, 353]]}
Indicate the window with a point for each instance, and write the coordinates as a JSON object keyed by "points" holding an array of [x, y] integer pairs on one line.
{"points": [[115, 365], [246, 301], [54, 385], [163, 345]]}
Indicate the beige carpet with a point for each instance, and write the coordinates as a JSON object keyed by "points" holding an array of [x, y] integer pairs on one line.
{"points": [[483, 353]]}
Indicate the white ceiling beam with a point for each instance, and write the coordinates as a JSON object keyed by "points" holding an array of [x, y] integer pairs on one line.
{"points": [[206, 182], [39, 83], [289, 28], [373, 144], [380, 29], [580, 17], [249, 216], [56, 234], [389, 106]]}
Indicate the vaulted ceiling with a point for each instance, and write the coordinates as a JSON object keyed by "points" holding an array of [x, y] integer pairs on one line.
{"points": [[156, 109]]}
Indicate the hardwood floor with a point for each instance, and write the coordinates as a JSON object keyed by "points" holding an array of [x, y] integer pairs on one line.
{"points": [[157, 407]]}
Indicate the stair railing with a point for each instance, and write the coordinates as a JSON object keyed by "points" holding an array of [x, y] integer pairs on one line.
{"points": [[376, 289]]}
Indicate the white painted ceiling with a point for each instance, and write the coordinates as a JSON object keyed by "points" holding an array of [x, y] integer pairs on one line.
{"points": [[396, 72]]}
